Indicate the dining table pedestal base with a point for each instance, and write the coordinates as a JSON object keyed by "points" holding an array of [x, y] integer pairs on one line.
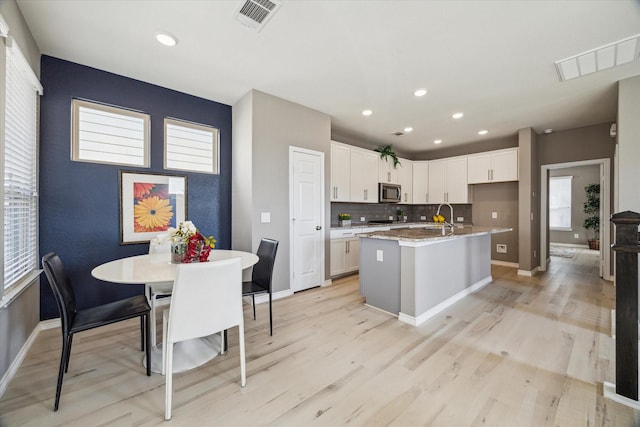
{"points": [[187, 354]]}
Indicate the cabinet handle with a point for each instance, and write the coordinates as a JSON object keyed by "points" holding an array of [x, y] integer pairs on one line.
{"points": [[347, 247], [406, 197], [488, 174], [491, 174], [426, 197], [446, 196], [388, 176]]}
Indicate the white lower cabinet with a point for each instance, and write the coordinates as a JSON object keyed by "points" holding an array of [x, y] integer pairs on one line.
{"points": [[345, 255]]}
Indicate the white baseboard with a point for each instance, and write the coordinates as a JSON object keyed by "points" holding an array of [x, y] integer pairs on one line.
{"points": [[609, 392], [328, 282], [528, 273], [569, 245], [261, 298], [505, 263], [417, 321], [17, 362]]}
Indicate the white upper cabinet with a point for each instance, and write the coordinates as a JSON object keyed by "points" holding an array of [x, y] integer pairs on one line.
{"points": [[340, 172], [447, 180], [420, 188], [405, 179], [493, 166], [386, 172], [364, 176]]}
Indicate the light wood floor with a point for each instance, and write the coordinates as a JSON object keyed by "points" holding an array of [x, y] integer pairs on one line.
{"points": [[520, 352]]}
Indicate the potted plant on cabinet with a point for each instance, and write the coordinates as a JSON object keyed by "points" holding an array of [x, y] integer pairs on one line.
{"points": [[386, 152], [592, 209]]}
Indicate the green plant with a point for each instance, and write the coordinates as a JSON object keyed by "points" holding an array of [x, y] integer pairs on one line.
{"points": [[386, 152], [344, 216], [592, 208], [400, 213]]}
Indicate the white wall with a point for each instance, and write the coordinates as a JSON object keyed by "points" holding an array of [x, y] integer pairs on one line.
{"points": [[275, 124], [628, 144]]}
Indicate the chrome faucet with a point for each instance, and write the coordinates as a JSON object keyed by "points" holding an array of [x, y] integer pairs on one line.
{"points": [[450, 224]]}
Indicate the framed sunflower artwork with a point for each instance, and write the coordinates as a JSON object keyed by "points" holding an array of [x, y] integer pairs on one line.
{"points": [[150, 204]]}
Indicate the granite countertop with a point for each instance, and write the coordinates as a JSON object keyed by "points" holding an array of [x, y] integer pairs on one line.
{"points": [[394, 224], [429, 233]]}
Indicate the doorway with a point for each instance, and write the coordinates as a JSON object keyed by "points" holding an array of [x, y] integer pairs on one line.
{"points": [[306, 206], [605, 212]]}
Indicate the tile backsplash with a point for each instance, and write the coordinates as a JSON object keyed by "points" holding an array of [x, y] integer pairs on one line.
{"points": [[377, 211]]}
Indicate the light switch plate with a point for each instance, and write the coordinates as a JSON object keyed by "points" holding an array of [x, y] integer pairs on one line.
{"points": [[423, 218], [391, 217], [494, 215], [265, 217], [379, 256], [501, 248], [362, 219], [460, 219]]}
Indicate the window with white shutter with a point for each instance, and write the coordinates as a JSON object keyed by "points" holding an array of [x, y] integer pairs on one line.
{"points": [[560, 203], [190, 146], [106, 134], [20, 170]]}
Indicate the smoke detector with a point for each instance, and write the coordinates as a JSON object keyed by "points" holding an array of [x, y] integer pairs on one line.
{"points": [[256, 13]]}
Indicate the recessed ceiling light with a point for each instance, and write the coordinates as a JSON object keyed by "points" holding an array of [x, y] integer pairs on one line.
{"points": [[548, 130], [420, 92], [166, 39], [483, 132], [367, 112], [408, 129], [437, 141], [457, 115]]}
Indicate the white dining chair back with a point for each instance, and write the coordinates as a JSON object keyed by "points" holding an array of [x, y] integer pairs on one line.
{"points": [[207, 299], [154, 291]]}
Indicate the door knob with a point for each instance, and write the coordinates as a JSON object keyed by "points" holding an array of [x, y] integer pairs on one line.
{"points": [[318, 227]]}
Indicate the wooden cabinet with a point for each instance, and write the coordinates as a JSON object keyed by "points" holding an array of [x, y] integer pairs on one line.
{"points": [[493, 166], [447, 180], [386, 172], [364, 176], [340, 172], [345, 255], [405, 179], [420, 189]]}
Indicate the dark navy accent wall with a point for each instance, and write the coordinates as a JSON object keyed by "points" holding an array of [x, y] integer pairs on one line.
{"points": [[79, 213]]}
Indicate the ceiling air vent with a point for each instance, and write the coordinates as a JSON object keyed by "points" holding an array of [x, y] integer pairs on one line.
{"points": [[256, 13]]}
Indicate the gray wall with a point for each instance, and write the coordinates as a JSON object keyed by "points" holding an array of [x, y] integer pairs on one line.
{"points": [[528, 200], [21, 316], [500, 197], [628, 145], [264, 128], [582, 176]]}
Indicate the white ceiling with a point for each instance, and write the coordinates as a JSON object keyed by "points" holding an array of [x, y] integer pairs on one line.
{"points": [[492, 60]]}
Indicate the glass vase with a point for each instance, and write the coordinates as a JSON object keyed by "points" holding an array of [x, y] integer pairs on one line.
{"points": [[178, 252]]}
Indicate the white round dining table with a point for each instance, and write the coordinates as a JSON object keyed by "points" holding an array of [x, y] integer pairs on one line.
{"points": [[157, 268]]}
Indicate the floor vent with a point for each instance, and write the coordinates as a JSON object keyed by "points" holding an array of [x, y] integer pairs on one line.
{"points": [[256, 13]]}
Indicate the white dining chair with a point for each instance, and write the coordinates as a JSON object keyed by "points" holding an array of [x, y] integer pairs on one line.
{"points": [[156, 291], [207, 299]]}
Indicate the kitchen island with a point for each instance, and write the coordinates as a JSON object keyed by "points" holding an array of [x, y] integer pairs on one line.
{"points": [[414, 273]]}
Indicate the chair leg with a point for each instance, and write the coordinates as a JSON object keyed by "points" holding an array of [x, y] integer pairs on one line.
{"points": [[253, 304], [243, 367], [168, 347], [270, 316], [165, 321], [153, 319], [64, 360], [147, 347], [141, 333], [223, 341], [70, 341]]}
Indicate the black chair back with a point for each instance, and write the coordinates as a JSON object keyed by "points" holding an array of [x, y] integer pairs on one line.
{"points": [[61, 287], [263, 270]]}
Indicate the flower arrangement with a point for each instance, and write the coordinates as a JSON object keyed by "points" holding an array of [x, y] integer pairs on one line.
{"points": [[188, 244]]}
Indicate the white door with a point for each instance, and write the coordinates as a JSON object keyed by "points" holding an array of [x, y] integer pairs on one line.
{"points": [[307, 218]]}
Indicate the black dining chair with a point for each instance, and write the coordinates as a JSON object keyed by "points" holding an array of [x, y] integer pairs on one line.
{"points": [[261, 276], [74, 320]]}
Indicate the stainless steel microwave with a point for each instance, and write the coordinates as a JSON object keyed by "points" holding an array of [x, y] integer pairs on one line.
{"points": [[389, 193]]}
